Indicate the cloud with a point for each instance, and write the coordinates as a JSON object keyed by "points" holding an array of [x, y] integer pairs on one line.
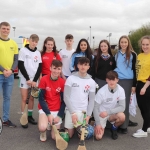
{"points": [[58, 18]]}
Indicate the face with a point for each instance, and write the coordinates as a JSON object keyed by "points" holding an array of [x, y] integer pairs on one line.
{"points": [[112, 83], [83, 46], [69, 42], [104, 47], [49, 45], [124, 44], [32, 43], [146, 45], [55, 71], [4, 31], [83, 68]]}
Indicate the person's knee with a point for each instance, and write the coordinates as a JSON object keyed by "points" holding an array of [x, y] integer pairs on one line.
{"points": [[42, 127], [98, 136], [121, 117]]}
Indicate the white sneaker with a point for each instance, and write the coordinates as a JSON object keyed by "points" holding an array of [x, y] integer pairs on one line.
{"points": [[48, 126], [140, 133], [148, 130], [43, 136]]}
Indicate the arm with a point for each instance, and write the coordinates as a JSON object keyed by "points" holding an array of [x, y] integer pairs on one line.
{"points": [[14, 66], [72, 63], [23, 70], [37, 75], [146, 85], [1, 68], [134, 70], [67, 93], [43, 103], [119, 108], [96, 113], [62, 109], [91, 103]]}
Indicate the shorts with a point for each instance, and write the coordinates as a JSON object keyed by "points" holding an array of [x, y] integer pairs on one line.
{"points": [[68, 119], [23, 83], [103, 121], [53, 113]]}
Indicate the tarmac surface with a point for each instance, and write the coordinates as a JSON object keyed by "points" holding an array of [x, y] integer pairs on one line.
{"points": [[28, 139]]}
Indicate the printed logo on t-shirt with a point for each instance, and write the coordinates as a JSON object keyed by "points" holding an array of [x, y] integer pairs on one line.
{"points": [[12, 48], [117, 99], [111, 63], [86, 89], [27, 56], [109, 99], [64, 56], [75, 85], [35, 59], [48, 89], [58, 90], [45, 57]]}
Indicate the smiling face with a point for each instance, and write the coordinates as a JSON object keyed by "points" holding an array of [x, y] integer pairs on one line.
{"points": [[104, 48], [55, 71], [83, 46], [4, 31], [124, 44], [49, 45], [145, 46]]}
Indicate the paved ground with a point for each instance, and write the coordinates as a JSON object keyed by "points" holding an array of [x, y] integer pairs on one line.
{"points": [[28, 139]]}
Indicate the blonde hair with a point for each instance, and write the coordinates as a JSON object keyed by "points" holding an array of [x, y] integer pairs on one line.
{"points": [[142, 38]]}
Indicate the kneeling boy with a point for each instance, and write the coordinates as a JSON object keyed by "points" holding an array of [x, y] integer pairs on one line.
{"points": [[79, 95], [109, 105], [51, 107]]}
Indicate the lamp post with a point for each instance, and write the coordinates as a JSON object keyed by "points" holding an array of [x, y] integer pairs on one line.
{"points": [[14, 30], [90, 36], [109, 35], [93, 42]]}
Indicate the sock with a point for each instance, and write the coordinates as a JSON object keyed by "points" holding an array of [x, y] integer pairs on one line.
{"points": [[30, 112], [113, 127]]}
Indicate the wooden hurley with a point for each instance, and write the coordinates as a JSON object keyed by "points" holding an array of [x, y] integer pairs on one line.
{"points": [[24, 117], [61, 144], [82, 140]]}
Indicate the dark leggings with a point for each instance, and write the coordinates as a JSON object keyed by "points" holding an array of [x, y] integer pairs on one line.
{"points": [[144, 104]]}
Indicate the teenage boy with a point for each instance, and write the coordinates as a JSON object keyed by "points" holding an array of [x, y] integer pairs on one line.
{"points": [[51, 107], [8, 63], [29, 65], [109, 105], [66, 54], [79, 95]]}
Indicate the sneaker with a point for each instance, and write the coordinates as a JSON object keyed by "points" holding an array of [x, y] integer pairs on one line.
{"points": [[9, 124], [140, 133], [132, 124], [148, 130], [123, 131], [114, 134], [48, 126], [43, 136], [31, 120]]}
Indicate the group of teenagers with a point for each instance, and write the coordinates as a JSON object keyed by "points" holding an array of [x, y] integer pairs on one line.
{"points": [[67, 83]]}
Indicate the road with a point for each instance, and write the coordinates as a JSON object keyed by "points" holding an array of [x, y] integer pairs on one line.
{"points": [[28, 139]]}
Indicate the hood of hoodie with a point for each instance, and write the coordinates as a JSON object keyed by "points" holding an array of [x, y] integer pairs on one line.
{"points": [[32, 50], [77, 75]]}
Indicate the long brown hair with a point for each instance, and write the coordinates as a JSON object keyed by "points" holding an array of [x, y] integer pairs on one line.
{"points": [[128, 50], [44, 47], [99, 52], [140, 41]]}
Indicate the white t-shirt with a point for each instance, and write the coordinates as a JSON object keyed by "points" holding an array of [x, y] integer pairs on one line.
{"points": [[31, 61], [80, 89], [108, 100], [66, 57]]}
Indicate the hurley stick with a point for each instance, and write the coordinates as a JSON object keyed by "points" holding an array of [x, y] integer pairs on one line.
{"points": [[82, 142], [61, 144], [24, 117]]}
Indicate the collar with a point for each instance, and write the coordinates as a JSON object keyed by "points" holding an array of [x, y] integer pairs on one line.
{"points": [[4, 39], [112, 90], [32, 50]]}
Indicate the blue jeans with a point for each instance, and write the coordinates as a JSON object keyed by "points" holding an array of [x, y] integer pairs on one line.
{"points": [[6, 85]]}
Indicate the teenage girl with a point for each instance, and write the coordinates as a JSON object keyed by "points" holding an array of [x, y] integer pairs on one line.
{"points": [[83, 50], [103, 63], [125, 67], [48, 54], [143, 88]]}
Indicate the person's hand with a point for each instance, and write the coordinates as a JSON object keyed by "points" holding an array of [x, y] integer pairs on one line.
{"points": [[98, 129], [50, 119], [56, 119], [33, 84], [103, 114], [133, 90], [87, 119], [143, 90], [74, 118], [29, 82], [7, 73]]}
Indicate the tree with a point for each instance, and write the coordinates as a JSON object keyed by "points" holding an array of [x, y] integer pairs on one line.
{"points": [[136, 35]]}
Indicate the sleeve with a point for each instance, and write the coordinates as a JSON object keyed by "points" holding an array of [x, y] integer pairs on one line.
{"points": [[16, 48], [91, 103], [72, 69], [60, 54], [37, 75], [93, 69], [15, 63], [96, 113], [43, 103], [1, 68], [99, 97], [58, 57], [134, 69]]}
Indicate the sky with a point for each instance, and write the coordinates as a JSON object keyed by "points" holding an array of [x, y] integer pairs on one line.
{"points": [[56, 18]]}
